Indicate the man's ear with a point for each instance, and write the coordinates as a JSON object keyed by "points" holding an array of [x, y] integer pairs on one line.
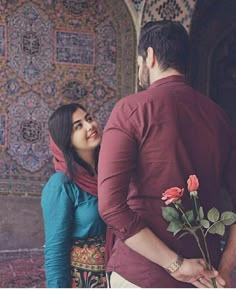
{"points": [[151, 58]]}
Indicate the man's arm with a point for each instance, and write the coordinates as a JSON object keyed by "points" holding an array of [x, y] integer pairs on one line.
{"points": [[117, 162], [228, 260], [148, 245]]}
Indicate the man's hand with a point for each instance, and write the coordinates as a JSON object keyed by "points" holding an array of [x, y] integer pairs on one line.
{"points": [[226, 274], [194, 271]]}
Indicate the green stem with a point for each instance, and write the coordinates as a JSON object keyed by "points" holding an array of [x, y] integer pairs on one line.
{"points": [[198, 217], [208, 261], [192, 232], [201, 250], [178, 207], [206, 247], [213, 280], [196, 208]]}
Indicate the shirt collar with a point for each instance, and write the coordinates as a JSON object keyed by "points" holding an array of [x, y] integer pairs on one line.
{"points": [[173, 78]]}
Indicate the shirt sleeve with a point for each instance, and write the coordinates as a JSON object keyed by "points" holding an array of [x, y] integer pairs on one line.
{"points": [[230, 171], [58, 222], [117, 164]]}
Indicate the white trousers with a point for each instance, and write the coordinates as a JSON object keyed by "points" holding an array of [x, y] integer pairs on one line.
{"points": [[116, 281]]}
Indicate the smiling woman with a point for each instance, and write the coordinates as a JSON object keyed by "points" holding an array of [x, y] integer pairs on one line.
{"points": [[74, 231], [86, 136]]}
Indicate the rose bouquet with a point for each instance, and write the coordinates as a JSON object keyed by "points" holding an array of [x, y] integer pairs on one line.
{"points": [[194, 221]]}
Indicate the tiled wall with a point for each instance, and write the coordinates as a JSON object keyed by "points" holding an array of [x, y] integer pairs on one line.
{"points": [[147, 10]]}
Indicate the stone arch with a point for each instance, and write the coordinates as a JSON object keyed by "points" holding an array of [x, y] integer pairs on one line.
{"points": [[212, 21], [212, 62]]}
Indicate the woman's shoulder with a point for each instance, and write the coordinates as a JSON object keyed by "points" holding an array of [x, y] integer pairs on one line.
{"points": [[58, 178], [60, 185], [57, 181]]}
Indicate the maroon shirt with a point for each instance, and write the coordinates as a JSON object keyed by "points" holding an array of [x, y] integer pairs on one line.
{"points": [[153, 141]]}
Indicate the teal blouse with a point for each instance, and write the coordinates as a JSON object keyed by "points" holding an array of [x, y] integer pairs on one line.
{"points": [[68, 213]]}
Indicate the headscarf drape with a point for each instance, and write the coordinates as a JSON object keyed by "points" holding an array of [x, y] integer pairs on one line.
{"points": [[81, 176]]}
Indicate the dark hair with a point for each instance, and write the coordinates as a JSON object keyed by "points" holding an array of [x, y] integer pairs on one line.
{"points": [[60, 128], [170, 42]]}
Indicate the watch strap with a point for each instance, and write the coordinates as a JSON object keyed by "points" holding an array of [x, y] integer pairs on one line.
{"points": [[176, 265]]}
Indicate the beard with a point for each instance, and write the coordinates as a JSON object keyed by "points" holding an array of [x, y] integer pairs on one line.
{"points": [[144, 81]]}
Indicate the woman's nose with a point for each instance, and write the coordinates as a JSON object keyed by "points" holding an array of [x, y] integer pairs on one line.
{"points": [[89, 126]]}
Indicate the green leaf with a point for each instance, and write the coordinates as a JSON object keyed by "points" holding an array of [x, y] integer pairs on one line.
{"points": [[205, 223], [175, 226], [220, 228], [217, 228], [201, 213], [228, 217], [169, 213], [189, 215], [177, 231], [212, 229], [213, 214]]}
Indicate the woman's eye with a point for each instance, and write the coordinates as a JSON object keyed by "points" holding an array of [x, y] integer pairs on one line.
{"points": [[89, 118], [78, 126]]}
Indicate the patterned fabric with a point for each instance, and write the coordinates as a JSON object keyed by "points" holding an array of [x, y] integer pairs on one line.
{"points": [[51, 53], [88, 263]]}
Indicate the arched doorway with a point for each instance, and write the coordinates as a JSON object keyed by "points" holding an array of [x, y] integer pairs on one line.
{"points": [[213, 58]]}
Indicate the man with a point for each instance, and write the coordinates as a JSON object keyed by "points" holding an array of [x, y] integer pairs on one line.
{"points": [[153, 141]]}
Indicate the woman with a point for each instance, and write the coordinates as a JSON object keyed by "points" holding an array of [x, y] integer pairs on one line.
{"points": [[74, 231]]}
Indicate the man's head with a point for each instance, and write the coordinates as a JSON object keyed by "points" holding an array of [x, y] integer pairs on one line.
{"points": [[162, 44]]}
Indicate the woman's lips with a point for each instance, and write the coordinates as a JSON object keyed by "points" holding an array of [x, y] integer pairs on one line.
{"points": [[93, 134]]}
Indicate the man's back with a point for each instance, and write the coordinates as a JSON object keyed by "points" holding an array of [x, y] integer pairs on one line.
{"points": [[167, 132], [181, 132]]}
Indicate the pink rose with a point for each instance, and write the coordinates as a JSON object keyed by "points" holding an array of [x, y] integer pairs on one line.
{"points": [[172, 194], [193, 183]]}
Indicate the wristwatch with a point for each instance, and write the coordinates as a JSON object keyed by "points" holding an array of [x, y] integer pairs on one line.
{"points": [[176, 265]]}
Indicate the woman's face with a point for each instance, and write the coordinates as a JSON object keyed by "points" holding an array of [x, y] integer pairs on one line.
{"points": [[86, 134]]}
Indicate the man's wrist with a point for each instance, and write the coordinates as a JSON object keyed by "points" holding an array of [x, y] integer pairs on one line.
{"points": [[175, 265]]}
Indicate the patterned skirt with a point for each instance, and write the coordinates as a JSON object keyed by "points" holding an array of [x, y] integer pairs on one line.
{"points": [[88, 263]]}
